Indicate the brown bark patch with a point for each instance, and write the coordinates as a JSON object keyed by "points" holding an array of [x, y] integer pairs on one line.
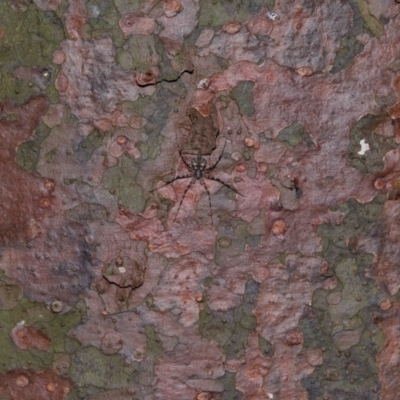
{"points": [[23, 194], [25, 384]]}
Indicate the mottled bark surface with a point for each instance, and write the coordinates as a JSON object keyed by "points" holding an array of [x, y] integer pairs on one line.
{"points": [[283, 117]]}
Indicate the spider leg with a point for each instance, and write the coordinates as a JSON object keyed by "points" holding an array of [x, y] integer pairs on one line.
{"points": [[191, 183], [172, 180], [202, 181], [209, 169], [225, 184], [187, 165]]}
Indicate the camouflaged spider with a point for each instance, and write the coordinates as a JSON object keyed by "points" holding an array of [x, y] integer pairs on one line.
{"points": [[199, 172]]}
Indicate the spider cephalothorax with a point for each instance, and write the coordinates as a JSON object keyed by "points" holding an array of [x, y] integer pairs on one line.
{"points": [[198, 166], [199, 172]]}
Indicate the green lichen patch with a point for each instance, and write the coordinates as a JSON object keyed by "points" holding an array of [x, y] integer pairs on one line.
{"points": [[154, 347], [354, 296], [154, 351], [129, 6], [55, 326], [174, 61], [363, 22], [230, 392], [349, 46], [227, 235], [218, 13], [348, 375], [164, 207], [385, 101], [29, 40], [295, 134], [343, 321], [140, 52], [149, 301], [243, 96], [395, 65], [120, 181], [157, 109], [265, 347], [230, 329], [371, 23], [233, 235], [358, 218], [92, 368], [103, 19], [28, 152], [88, 145], [379, 145], [215, 325], [10, 294], [208, 282]]}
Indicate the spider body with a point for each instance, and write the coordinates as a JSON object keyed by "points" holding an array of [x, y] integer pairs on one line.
{"points": [[199, 172], [198, 166]]}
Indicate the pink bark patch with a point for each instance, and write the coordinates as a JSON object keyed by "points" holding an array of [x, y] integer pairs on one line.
{"points": [[137, 24]]}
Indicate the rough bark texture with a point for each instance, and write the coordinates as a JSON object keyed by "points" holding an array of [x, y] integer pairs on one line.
{"points": [[269, 269]]}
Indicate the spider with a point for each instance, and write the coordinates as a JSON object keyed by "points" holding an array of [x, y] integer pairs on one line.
{"points": [[199, 172]]}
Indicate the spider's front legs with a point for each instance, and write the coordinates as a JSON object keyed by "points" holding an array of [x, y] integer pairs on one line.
{"points": [[225, 184], [187, 165], [203, 182], [191, 183], [173, 180]]}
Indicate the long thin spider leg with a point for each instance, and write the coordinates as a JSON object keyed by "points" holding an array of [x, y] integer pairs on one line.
{"points": [[209, 169], [191, 183], [173, 180], [225, 184], [202, 181], [188, 166]]}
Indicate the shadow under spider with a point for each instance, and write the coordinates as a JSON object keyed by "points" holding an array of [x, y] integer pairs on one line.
{"points": [[199, 172]]}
